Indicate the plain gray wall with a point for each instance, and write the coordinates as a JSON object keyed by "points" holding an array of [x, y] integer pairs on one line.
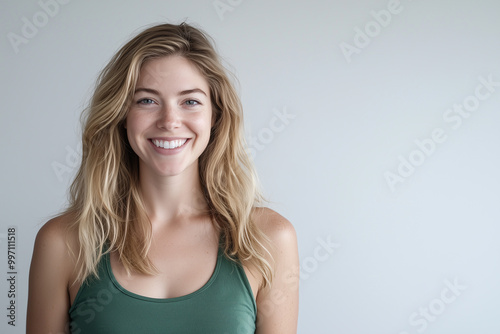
{"points": [[373, 124]]}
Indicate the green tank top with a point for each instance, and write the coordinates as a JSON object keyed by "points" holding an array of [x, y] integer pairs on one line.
{"points": [[224, 305]]}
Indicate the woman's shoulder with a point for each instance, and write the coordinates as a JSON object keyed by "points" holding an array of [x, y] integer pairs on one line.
{"points": [[56, 240], [277, 228], [51, 268], [282, 294], [57, 230], [281, 244]]}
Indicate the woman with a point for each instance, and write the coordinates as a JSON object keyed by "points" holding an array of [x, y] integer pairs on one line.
{"points": [[163, 233]]}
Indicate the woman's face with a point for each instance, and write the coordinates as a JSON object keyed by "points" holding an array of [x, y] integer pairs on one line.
{"points": [[168, 124]]}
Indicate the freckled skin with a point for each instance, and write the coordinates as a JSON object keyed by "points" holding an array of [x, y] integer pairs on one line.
{"points": [[165, 113]]}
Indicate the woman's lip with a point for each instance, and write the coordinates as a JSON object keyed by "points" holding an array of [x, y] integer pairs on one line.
{"points": [[168, 151], [168, 138]]}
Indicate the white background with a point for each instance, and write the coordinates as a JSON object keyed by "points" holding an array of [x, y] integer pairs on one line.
{"points": [[355, 116]]}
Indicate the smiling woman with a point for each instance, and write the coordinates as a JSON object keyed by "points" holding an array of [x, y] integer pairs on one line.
{"points": [[166, 110], [165, 232]]}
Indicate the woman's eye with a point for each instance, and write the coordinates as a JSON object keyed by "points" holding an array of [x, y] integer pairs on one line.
{"points": [[191, 102], [145, 101]]}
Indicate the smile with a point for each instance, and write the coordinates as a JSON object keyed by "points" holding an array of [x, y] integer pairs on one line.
{"points": [[169, 145]]}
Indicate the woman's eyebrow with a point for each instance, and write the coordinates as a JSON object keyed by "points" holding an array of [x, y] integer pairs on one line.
{"points": [[190, 91], [184, 92], [147, 90]]}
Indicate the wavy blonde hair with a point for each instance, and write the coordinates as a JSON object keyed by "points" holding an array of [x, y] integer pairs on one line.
{"points": [[104, 196]]}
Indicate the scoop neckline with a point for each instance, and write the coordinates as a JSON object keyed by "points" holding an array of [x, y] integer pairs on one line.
{"points": [[164, 300]]}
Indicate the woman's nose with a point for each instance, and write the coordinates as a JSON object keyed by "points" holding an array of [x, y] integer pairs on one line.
{"points": [[168, 118]]}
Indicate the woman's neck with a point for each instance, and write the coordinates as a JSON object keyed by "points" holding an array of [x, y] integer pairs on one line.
{"points": [[168, 199]]}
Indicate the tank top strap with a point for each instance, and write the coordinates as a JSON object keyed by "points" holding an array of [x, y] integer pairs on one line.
{"points": [[225, 304]]}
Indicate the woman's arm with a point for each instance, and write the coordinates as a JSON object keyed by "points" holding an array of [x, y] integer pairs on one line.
{"points": [[278, 305], [48, 300]]}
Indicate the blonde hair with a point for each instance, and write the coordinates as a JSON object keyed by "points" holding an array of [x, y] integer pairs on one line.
{"points": [[104, 196]]}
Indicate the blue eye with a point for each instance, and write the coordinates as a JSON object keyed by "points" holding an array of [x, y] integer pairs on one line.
{"points": [[191, 102], [145, 101]]}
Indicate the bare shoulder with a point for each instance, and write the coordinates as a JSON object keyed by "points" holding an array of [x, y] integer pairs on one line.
{"points": [[52, 266], [56, 247], [278, 303], [56, 237], [277, 228], [282, 241]]}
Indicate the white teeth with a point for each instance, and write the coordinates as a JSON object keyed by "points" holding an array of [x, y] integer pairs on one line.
{"points": [[169, 144]]}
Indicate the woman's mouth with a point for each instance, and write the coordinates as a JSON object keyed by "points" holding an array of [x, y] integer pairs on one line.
{"points": [[169, 144]]}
